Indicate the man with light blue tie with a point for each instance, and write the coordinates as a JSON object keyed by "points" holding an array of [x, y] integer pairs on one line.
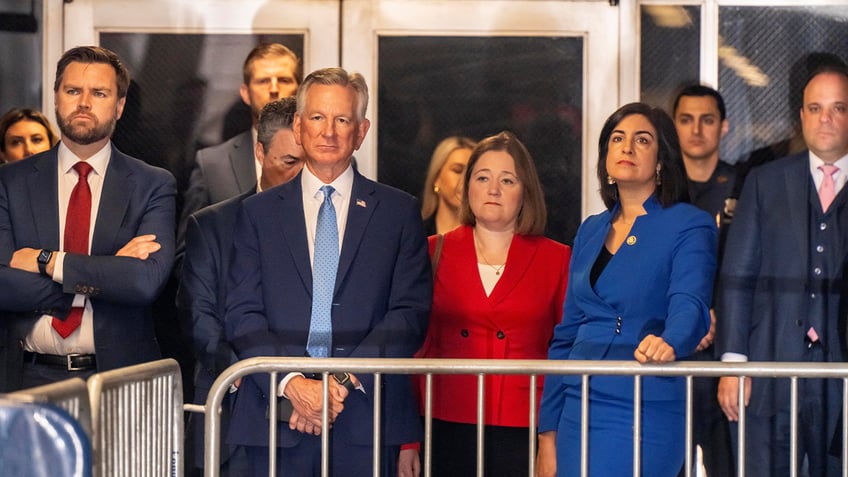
{"points": [[779, 288], [330, 264]]}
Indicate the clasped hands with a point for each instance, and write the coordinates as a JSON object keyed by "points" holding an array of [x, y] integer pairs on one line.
{"points": [[307, 398]]}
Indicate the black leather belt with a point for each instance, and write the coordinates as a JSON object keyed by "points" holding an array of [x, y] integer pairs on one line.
{"points": [[71, 362]]}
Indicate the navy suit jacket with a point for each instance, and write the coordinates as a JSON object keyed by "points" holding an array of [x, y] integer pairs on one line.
{"points": [[201, 299], [764, 284], [136, 199], [220, 172], [659, 283], [380, 305], [202, 293]]}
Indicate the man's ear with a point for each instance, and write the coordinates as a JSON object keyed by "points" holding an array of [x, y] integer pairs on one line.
{"points": [[725, 127]]}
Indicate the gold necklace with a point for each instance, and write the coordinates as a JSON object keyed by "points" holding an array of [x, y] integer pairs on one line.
{"points": [[497, 269]]}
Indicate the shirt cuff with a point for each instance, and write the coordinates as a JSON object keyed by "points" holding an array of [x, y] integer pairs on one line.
{"points": [[59, 267], [734, 358], [282, 386], [416, 446]]}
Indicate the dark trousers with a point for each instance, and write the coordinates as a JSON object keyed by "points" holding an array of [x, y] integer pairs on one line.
{"points": [[710, 429], [304, 459], [40, 374], [767, 439], [505, 453]]}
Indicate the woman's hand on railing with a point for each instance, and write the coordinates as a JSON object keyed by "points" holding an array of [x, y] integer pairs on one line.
{"points": [[654, 349]]}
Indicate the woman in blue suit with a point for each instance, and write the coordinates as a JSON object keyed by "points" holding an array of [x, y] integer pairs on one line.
{"points": [[640, 286]]}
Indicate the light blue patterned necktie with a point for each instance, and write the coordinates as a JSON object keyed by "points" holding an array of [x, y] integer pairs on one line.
{"points": [[325, 263]]}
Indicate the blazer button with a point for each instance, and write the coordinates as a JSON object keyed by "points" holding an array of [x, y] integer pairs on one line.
{"points": [[500, 335], [464, 333], [798, 323]]}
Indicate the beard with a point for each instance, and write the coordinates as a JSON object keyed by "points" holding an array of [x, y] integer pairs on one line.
{"points": [[85, 135]]}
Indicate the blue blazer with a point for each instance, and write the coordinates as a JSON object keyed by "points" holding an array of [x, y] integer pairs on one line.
{"points": [[659, 284], [136, 199], [764, 294], [380, 307]]}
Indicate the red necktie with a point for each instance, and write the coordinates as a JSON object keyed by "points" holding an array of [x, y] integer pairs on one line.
{"points": [[77, 226]]}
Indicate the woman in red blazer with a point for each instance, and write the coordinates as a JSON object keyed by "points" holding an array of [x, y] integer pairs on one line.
{"points": [[498, 293]]}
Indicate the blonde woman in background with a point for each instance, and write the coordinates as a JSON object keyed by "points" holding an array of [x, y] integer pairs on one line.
{"points": [[442, 193]]}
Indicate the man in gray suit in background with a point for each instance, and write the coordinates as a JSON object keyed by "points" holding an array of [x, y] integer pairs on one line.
{"points": [[271, 71]]}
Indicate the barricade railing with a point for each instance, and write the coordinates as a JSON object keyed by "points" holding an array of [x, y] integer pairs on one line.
{"points": [[70, 395], [137, 420], [274, 366]]}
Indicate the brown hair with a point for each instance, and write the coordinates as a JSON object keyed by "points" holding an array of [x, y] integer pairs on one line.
{"points": [[267, 50], [94, 54], [533, 216], [16, 115]]}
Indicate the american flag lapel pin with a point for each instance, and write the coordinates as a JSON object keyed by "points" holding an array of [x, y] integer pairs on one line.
{"points": [[360, 203]]}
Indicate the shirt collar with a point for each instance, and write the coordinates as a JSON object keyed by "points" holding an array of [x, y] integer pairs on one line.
{"points": [[312, 185], [816, 161], [99, 161]]}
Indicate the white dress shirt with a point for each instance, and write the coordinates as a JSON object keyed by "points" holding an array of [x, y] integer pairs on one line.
{"points": [[43, 338], [312, 200]]}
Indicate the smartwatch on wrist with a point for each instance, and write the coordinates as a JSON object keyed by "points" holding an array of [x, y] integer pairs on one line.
{"points": [[344, 380], [44, 257]]}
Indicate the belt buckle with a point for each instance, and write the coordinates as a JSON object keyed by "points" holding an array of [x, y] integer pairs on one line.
{"points": [[70, 358]]}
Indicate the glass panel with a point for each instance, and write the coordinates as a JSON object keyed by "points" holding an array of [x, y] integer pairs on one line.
{"points": [[184, 93], [20, 34], [764, 58], [664, 69], [434, 87]]}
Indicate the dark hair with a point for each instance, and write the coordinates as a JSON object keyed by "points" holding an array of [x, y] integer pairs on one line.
{"points": [[533, 216], [700, 90], [274, 116], [16, 115], [673, 187], [835, 68], [94, 54], [268, 50], [336, 77]]}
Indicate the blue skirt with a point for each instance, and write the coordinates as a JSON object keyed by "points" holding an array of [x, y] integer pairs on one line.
{"points": [[611, 436]]}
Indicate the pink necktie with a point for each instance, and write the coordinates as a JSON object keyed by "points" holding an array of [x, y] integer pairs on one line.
{"points": [[827, 191], [77, 226]]}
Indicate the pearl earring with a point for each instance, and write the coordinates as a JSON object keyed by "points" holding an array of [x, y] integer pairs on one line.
{"points": [[610, 180]]}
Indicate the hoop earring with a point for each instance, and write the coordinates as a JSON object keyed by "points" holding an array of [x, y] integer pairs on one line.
{"points": [[610, 180]]}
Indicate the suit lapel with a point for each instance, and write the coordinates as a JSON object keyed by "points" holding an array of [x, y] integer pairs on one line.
{"points": [[45, 199], [519, 257], [294, 228], [798, 199], [118, 188], [243, 162], [363, 202]]}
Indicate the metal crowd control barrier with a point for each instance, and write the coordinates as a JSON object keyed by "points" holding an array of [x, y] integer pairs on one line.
{"points": [[533, 368], [137, 418], [70, 395]]}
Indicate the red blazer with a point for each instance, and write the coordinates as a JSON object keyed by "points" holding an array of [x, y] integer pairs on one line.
{"points": [[515, 322]]}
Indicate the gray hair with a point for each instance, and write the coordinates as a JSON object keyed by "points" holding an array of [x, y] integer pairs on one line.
{"points": [[340, 77]]}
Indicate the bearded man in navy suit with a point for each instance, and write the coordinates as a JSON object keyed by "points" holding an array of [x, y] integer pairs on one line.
{"points": [[69, 311], [378, 301]]}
